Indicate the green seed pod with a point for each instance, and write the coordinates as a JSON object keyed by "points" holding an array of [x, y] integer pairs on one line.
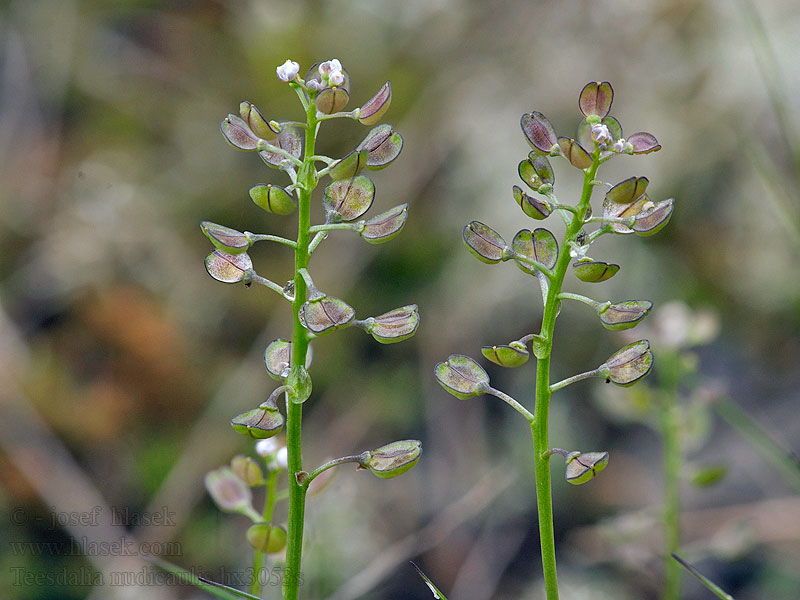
{"points": [[247, 470], [325, 314], [259, 423], [594, 271], [229, 241], [374, 108], [278, 358], [348, 199], [624, 315], [707, 476], [256, 121], [583, 466], [541, 165], [629, 364], [575, 153], [514, 354], [383, 145], [332, 100], [299, 382], [349, 166], [652, 219], [528, 174], [596, 99], [228, 268], [393, 459], [627, 190], [267, 538], [539, 245], [485, 243], [462, 376], [273, 199], [394, 326], [289, 139], [238, 133], [532, 207], [228, 492], [385, 226]]}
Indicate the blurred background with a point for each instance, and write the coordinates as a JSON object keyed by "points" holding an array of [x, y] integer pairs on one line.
{"points": [[121, 360]]}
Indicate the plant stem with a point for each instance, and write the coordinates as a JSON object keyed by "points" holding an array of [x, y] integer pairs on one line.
{"points": [[539, 428], [570, 380], [269, 508], [670, 439], [512, 403], [307, 180]]}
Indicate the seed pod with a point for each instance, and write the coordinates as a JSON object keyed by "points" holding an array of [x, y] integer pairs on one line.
{"points": [[485, 243], [528, 175], [532, 207], [626, 211], [267, 538], [628, 365], [349, 166], [247, 470], [393, 326], [383, 145], [462, 377], [510, 355], [228, 268], [385, 226], [624, 315], [374, 108], [539, 131], [259, 423], [300, 385], [539, 245], [594, 271], [643, 143], [256, 121], [542, 167], [596, 99], [238, 133], [229, 241], [614, 127], [652, 219], [228, 492], [394, 459], [289, 139], [278, 358], [575, 153], [273, 199], [583, 466], [348, 199], [332, 100], [325, 314], [626, 191]]}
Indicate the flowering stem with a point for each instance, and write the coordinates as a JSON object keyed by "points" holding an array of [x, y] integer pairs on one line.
{"points": [[570, 380], [539, 427]]}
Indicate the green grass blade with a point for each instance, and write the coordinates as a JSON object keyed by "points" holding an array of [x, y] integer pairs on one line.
{"points": [[434, 590], [215, 589], [720, 593]]}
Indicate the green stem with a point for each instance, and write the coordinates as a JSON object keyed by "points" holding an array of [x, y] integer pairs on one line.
{"points": [[269, 508], [570, 380], [539, 428], [670, 436], [512, 403], [357, 226], [307, 179], [265, 237], [570, 296], [358, 459]]}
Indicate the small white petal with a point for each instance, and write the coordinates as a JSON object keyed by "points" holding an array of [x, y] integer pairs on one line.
{"points": [[336, 78], [325, 67], [288, 70], [619, 145], [600, 133], [313, 85], [266, 447], [335, 64], [282, 458]]}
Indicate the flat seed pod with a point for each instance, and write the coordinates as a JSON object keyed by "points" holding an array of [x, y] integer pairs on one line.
{"points": [[348, 199], [651, 220], [484, 243], [624, 315], [594, 271], [349, 166], [625, 211], [332, 100], [289, 139], [247, 470], [539, 245], [541, 164], [238, 133], [596, 98], [229, 493], [273, 199], [278, 358], [627, 191], [508, 355], [256, 121], [230, 241], [462, 376], [539, 131], [629, 365], [584, 134], [264, 537], [374, 108], [528, 175], [258, 423], [228, 268], [531, 206], [326, 314], [585, 466], [394, 459], [614, 127], [383, 145], [643, 142], [385, 226], [394, 326], [575, 153]]}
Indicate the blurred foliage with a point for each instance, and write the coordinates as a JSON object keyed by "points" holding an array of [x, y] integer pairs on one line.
{"points": [[133, 359]]}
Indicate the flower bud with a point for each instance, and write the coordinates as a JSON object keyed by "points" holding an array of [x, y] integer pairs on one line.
{"points": [[583, 466], [288, 71], [514, 354], [594, 271], [238, 134], [596, 99], [229, 493], [485, 244], [600, 134], [336, 78], [394, 326], [393, 459], [228, 268], [267, 538], [259, 423], [628, 365], [539, 131], [247, 470], [462, 377], [256, 121], [383, 145], [624, 315], [348, 199], [385, 226], [325, 314], [229, 241], [374, 108]]}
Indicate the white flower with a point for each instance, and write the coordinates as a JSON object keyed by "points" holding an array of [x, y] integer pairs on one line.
{"points": [[266, 447], [282, 458], [600, 133], [288, 70], [313, 85], [577, 251], [336, 78], [619, 145], [329, 66]]}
